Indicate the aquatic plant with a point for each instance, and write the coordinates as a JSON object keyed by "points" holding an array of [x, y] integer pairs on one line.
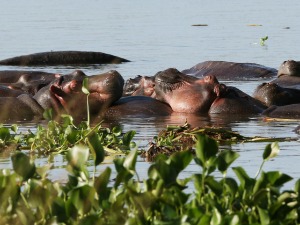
{"points": [[28, 197], [263, 40]]}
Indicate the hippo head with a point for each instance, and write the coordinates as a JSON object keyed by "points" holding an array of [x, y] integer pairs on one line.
{"points": [[104, 89], [290, 68], [139, 86], [185, 93]]}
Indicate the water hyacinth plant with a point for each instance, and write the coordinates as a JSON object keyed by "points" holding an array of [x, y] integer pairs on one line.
{"points": [[27, 196]]}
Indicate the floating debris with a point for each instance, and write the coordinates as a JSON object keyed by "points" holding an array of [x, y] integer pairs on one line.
{"points": [[181, 138], [200, 25], [254, 25]]}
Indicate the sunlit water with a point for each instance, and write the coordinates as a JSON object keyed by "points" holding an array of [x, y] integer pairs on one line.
{"points": [[156, 35]]}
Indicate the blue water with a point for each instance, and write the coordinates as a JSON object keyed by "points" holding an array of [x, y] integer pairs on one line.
{"points": [[156, 35]]}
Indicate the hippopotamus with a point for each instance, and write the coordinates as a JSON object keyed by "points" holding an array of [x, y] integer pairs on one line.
{"points": [[223, 70], [231, 100], [7, 92], [140, 86], [20, 108], [291, 111], [67, 96], [185, 93], [43, 96], [272, 94], [288, 74], [138, 106], [27, 82], [63, 58], [13, 76]]}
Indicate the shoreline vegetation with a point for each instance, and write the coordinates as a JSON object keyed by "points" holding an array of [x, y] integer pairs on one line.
{"points": [[28, 196]]}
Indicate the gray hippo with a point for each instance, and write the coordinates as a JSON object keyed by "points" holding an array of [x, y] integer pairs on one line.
{"points": [[63, 58], [138, 106], [223, 70], [288, 74], [140, 86], [287, 111], [231, 100], [272, 94], [20, 108], [64, 95], [28, 82]]}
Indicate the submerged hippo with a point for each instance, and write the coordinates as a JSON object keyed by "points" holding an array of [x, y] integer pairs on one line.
{"points": [[185, 93], [288, 74], [13, 76], [231, 100], [138, 106], [7, 92], [223, 70], [140, 86], [63, 58], [20, 108], [272, 94], [27, 82], [287, 111]]}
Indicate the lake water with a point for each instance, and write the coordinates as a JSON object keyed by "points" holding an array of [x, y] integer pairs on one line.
{"points": [[156, 35]]}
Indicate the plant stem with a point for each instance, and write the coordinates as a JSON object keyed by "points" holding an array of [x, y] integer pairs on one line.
{"points": [[88, 109], [260, 168]]}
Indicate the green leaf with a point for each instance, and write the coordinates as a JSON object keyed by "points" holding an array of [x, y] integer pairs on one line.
{"points": [[14, 128], [4, 133], [206, 148], [48, 114], [225, 159], [82, 198], [78, 155], [117, 130], [101, 182], [264, 216], [130, 160], [271, 151], [245, 180], [127, 138], [96, 148], [180, 160], [22, 165], [85, 87], [216, 217]]}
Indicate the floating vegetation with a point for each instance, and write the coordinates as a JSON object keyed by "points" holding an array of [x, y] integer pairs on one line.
{"points": [[263, 40], [181, 138]]}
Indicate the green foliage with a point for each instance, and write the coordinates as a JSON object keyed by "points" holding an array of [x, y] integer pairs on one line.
{"points": [[28, 197], [263, 40]]}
